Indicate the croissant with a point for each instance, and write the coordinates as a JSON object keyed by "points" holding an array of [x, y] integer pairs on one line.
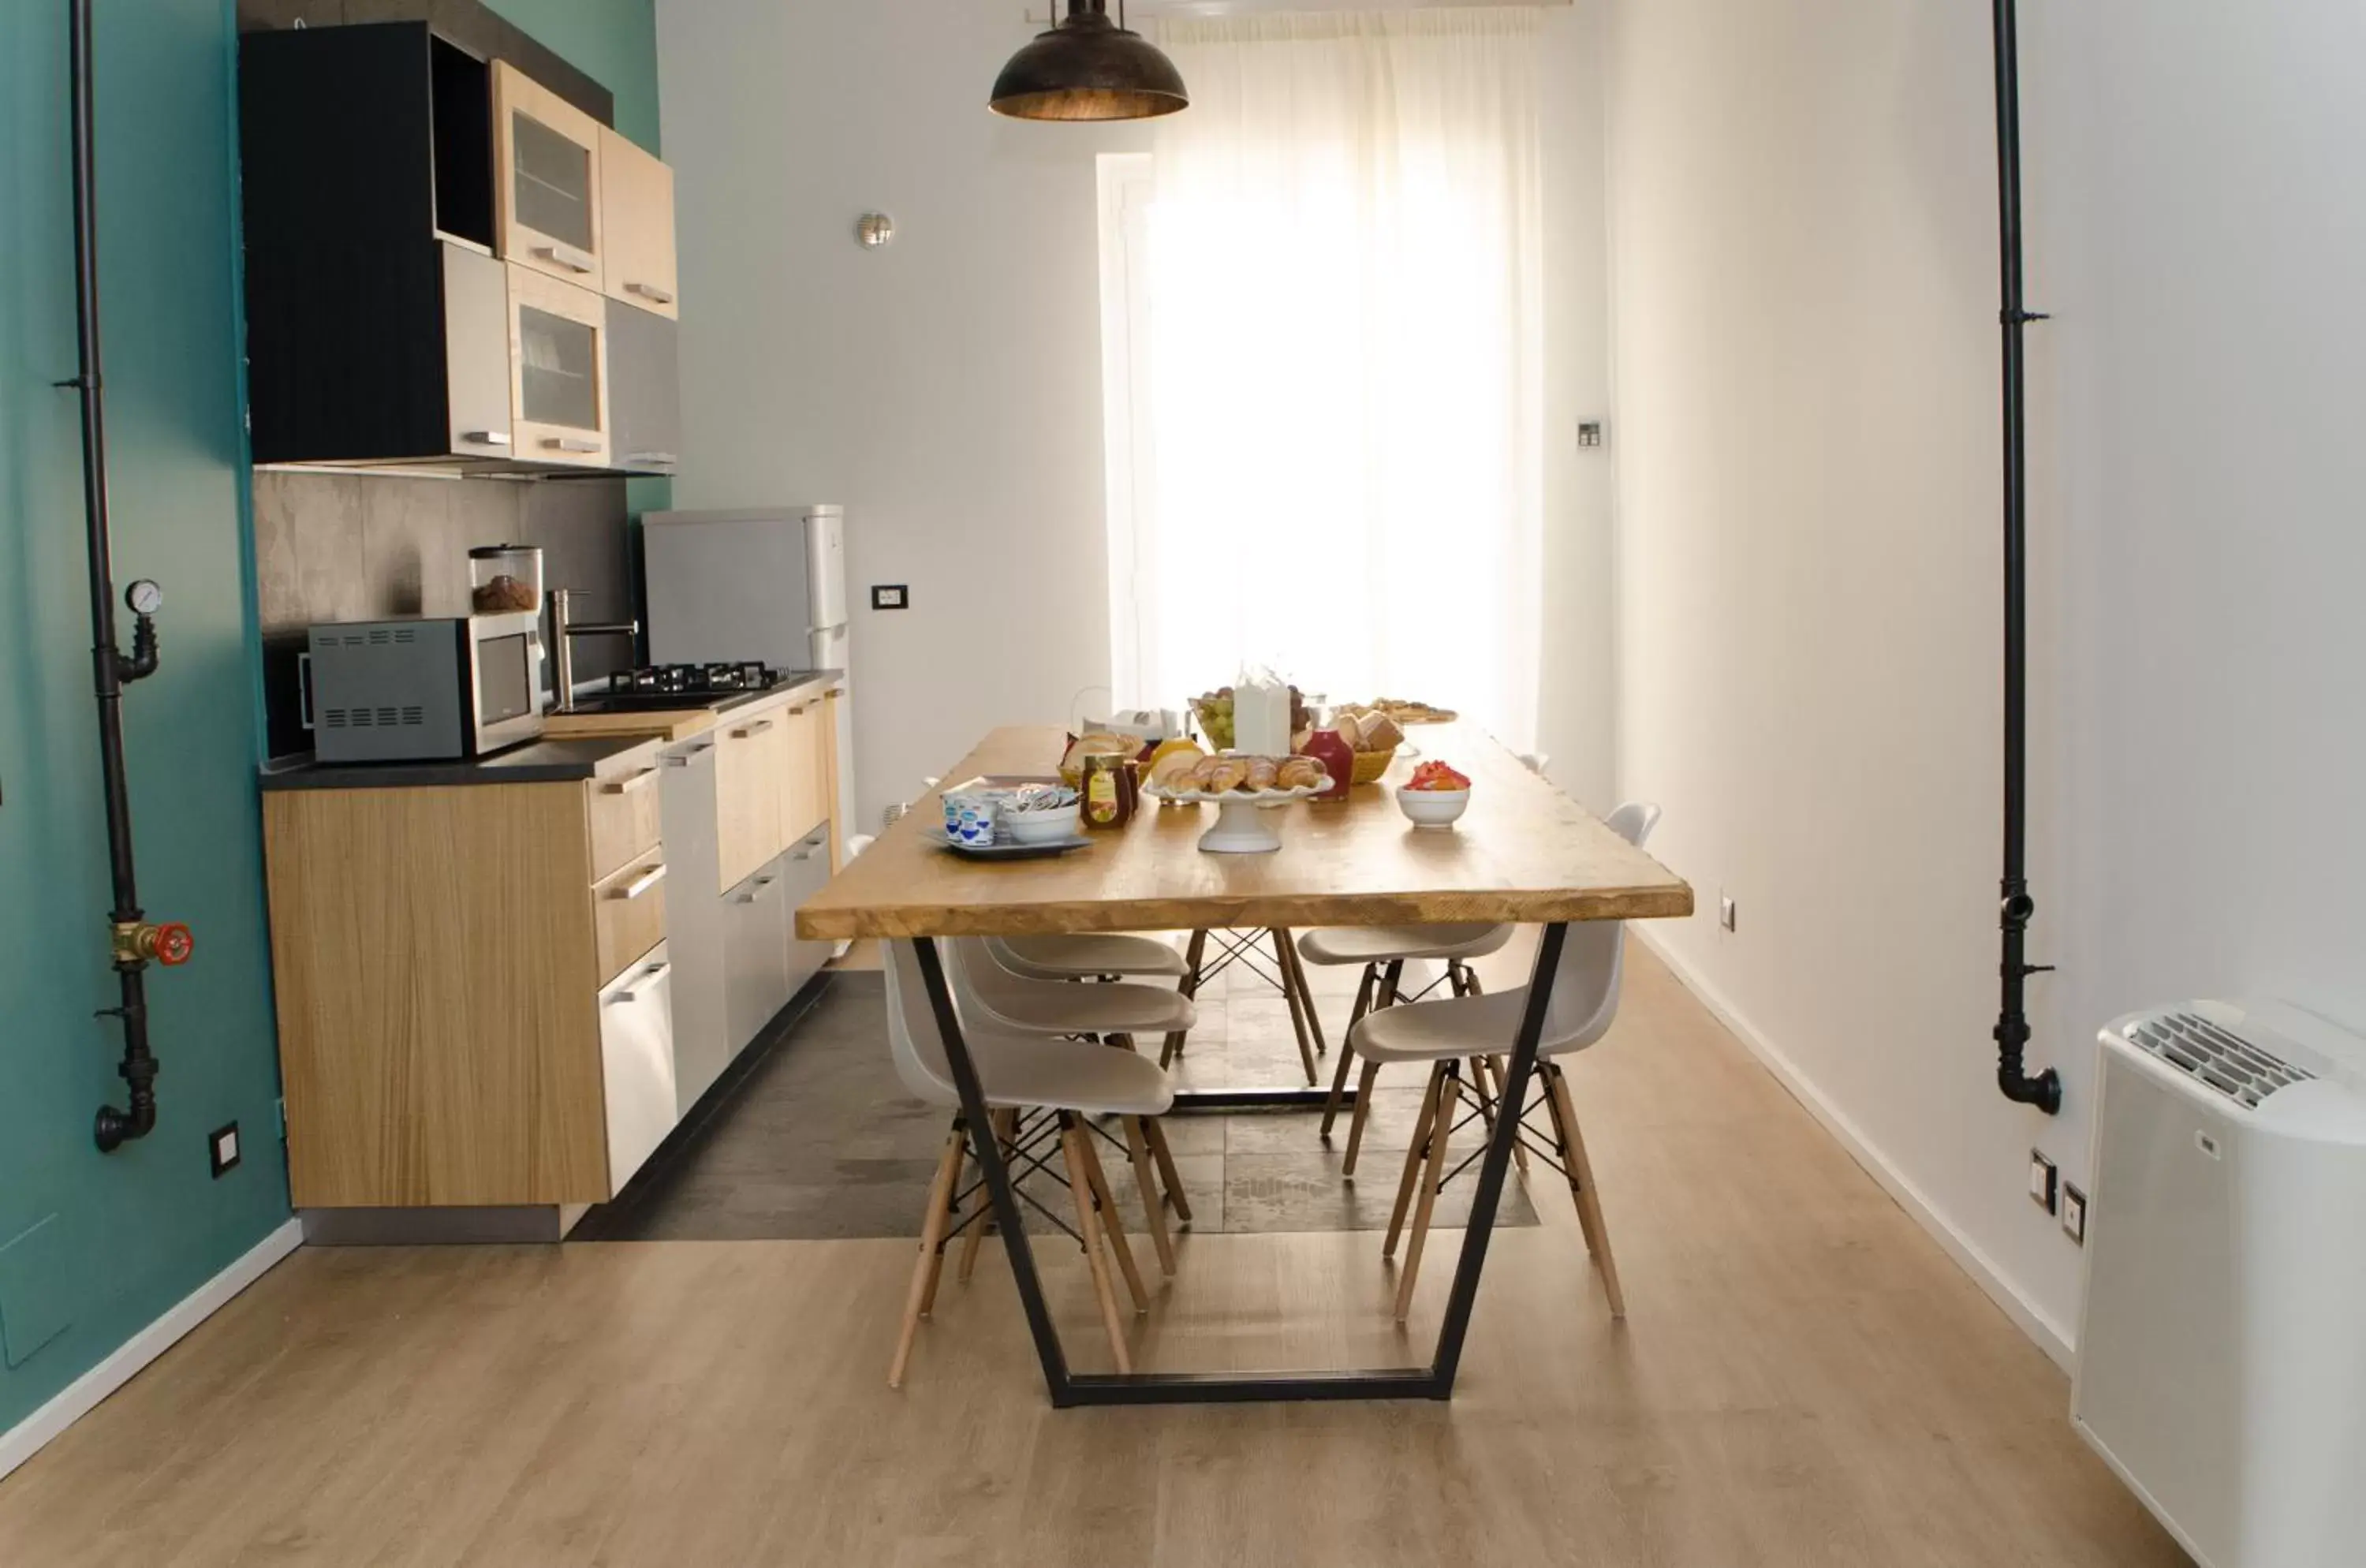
{"points": [[1262, 771], [1174, 771], [1301, 773], [1221, 773]]}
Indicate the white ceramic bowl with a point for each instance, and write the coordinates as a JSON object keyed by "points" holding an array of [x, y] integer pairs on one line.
{"points": [[1431, 807], [1040, 827]]}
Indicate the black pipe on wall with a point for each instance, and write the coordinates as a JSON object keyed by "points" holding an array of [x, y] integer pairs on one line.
{"points": [[2015, 908], [110, 668]]}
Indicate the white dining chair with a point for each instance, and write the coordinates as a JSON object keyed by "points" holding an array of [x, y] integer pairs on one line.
{"points": [[1115, 1013], [1449, 1031], [1065, 1080]]}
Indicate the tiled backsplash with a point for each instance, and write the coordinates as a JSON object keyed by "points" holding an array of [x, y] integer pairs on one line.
{"points": [[363, 546]]}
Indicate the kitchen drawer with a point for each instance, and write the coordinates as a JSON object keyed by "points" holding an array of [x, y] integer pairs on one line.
{"points": [[804, 750], [636, 1063], [625, 820], [755, 954], [628, 913], [747, 752], [805, 872], [701, 1046]]}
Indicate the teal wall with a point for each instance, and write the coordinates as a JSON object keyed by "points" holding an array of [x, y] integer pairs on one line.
{"points": [[93, 1247]]}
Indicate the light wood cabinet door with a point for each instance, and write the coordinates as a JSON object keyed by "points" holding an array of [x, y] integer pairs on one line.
{"points": [[805, 752], [748, 753], [559, 371], [546, 164], [625, 820], [637, 215]]}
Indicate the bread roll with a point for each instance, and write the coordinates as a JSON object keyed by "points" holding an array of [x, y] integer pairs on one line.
{"points": [[1174, 771], [1301, 773], [1351, 731], [1382, 733], [1262, 771]]}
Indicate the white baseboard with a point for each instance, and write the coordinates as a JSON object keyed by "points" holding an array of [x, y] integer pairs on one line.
{"points": [[2050, 1336], [83, 1395]]}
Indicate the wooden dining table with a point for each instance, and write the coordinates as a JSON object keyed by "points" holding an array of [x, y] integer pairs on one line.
{"points": [[1524, 853]]}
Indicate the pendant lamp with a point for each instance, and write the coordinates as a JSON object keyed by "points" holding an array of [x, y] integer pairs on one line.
{"points": [[1088, 68]]}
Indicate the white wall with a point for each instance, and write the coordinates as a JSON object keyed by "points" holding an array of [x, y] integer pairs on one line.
{"points": [[1803, 243], [947, 389]]}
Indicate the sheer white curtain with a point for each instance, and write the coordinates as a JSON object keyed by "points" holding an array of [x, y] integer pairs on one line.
{"points": [[1328, 287]]}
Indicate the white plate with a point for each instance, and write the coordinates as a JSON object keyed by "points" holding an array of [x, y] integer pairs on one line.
{"points": [[1235, 796]]}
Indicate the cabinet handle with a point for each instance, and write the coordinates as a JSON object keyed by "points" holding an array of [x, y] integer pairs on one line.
{"points": [[762, 882], [640, 884], [651, 459], [486, 437], [567, 256], [569, 444], [758, 727], [803, 854], [304, 690], [687, 755], [641, 780], [650, 291], [649, 977]]}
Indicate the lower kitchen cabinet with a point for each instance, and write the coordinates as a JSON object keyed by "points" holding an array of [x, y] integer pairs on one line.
{"points": [[756, 952], [694, 921], [469, 1014], [637, 1062], [805, 872]]}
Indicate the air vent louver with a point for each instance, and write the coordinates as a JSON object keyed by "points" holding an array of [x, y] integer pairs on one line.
{"points": [[2226, 1061]]}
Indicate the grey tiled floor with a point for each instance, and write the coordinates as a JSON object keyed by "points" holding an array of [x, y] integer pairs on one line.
{"points": [[816, 1139]]}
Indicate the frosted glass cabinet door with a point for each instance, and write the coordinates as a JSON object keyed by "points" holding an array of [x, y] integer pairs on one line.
{"points": [[547, 155], [559, 371]]}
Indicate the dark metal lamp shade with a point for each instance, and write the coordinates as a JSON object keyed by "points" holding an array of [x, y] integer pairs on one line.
{"points": [[1088, 68]]}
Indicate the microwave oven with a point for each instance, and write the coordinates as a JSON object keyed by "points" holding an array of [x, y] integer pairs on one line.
{"points": [[423, 689]]}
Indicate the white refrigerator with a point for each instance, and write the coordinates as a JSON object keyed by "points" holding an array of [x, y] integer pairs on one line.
{"points": [[769, 583]]}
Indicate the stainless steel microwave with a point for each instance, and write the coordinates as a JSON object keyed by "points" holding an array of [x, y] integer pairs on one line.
{"points": [[446, 686]]}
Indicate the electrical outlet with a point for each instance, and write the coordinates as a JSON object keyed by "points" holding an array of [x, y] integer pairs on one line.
{"points": [[221, 1147], [1728, 914], [1589, 433], [2044, 1181], [2074, 1213], [891, 596]]}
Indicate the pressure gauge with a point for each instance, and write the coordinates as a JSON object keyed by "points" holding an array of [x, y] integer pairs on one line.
{"points": [[144, 597]]}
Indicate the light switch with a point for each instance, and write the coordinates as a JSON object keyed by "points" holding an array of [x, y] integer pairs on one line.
{"points": [[890, 596]]}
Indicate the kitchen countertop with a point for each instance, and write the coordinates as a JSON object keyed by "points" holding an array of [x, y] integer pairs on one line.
{"points": [[543, 761], [680, 724]]}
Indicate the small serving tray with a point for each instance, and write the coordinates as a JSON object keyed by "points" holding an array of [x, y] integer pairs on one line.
{"points": [[1016, 850]]}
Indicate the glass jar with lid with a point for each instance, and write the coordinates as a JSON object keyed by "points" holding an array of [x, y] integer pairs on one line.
{"points": [[504, 580]]}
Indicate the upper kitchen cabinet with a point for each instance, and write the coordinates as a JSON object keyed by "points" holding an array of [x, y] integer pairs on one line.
{"points": [[546, 156], [637, 212], [429, 282]]}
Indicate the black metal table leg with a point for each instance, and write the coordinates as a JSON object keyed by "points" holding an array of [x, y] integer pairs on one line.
{"points": [[1434, 1382]]}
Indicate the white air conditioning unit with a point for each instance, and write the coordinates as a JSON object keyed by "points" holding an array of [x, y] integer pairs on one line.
{"points": [[2222, 1346]]}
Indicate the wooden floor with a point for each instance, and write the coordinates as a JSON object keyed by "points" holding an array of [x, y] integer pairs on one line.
{"points": [[1804, 1379]]}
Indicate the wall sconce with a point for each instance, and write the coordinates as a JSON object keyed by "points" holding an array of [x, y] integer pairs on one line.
{"points": [[875, 230]]}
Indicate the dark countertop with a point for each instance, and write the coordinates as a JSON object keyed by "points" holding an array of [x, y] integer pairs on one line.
{"points": [[541, 762]]}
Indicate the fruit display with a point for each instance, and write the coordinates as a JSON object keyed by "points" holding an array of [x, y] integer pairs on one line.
{"points": [[1214, 711], [1438, 777]]}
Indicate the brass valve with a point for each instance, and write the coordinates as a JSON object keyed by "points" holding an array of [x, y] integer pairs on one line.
{"points": [[168, 943]]}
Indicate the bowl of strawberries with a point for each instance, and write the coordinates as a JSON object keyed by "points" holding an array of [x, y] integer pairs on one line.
{"points": [[1434, 796]]}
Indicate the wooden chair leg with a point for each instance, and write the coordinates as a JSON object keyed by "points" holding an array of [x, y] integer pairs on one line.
{"points": [[1167, 1175], [925, 1267], [1006, 1129], [1306, 999], [1364, 988], [952, 1195], [1589, 1201], [1189, 987], [1414, 1154], [1442, 1127], [1363, 1085], [1282, 956], [1154, 1207], [1080, 1190], [1112, 1226]]}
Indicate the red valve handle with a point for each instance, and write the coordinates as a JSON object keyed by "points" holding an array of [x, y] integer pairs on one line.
{"points": [[173, 944]]}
